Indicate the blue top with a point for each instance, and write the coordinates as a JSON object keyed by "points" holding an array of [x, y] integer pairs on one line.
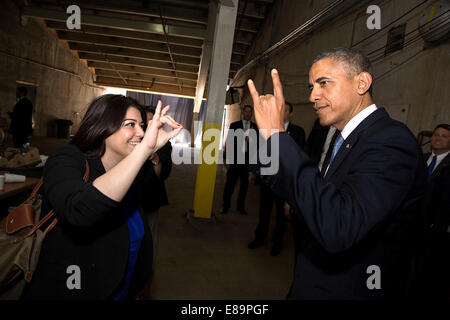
{"points": [[136, 230]]}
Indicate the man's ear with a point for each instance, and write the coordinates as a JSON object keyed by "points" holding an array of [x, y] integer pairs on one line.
{"points": [[364, 82]]}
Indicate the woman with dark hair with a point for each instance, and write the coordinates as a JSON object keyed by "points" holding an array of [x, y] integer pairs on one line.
{"points": [[100, 248]]}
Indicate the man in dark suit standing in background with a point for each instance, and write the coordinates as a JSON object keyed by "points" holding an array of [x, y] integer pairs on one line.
{"points": [[315, 144], [238, 170], [434, 259], [268, 197], [438, 163], [21, 118], [361, 213]]}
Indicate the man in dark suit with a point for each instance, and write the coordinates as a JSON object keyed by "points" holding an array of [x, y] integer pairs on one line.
{"points": [[237, 165], [315, 144], [21, 118], [361, 214], [268, 197], [434, 259]]}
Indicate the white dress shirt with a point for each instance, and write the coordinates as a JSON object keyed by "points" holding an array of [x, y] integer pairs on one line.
{"points": [[246, 128], [246, 125], [286, 124], [354, 122], [326, 145], [439, 159]]}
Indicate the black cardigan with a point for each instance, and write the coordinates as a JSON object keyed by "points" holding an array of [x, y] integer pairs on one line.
{"points": [[154, 189], [92, 233]]}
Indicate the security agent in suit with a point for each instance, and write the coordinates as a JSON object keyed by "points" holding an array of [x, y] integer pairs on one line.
{"points": [[21, 118], [236, 170], [315, 143], [268, 197], [434, 260], [361, 217]]}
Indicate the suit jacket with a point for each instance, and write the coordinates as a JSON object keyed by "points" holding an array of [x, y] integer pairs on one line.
{"points": [[436, 202], [92, 233], [21, 117], [298, 134], [237, 146], [364, 213]]}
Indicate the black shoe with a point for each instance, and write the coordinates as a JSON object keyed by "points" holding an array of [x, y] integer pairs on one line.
{"points": [[224, 210], [242, 211], [275, 251], [255, 244]]}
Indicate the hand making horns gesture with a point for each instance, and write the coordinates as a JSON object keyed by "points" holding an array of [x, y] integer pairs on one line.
{"points": [[155, 136], [269, 109]]}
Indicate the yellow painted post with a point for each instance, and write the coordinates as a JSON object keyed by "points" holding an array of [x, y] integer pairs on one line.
{"points": [[206, 177], [222, 48]]}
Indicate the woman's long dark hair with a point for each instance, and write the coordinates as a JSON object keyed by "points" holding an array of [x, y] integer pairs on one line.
{"points": [[103, 117]]}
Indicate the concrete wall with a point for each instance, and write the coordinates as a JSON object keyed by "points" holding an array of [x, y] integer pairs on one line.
{"points": [[30, 53], [413, 79]]}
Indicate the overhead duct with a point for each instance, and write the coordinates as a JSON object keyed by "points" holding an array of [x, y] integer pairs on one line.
{"points": [[335, 9], [434, 24]]}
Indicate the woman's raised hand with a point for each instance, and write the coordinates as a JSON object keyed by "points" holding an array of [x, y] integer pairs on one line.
{"points": [[155, 136]]}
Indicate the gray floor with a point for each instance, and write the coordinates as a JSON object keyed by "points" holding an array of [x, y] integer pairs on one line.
{"points": [[210, 260]]}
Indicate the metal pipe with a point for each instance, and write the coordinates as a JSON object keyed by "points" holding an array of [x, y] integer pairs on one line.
{"points": [[316, 21], [168, 48]]}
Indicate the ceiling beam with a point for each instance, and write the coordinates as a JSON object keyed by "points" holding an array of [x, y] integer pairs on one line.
{"points": [[184, 4], [143, 77], [129, 44], [142, 70], [95, 57], [80, 47], [251, 15], [244, 38], [250, 29], [135, 35], [264, 1], [236, 59], [118, 23], [238, 52], [145, 86], [192, 15], [147, 55]]}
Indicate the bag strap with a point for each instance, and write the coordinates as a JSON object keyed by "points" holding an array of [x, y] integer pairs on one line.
{"points": [[51, 213], [38, 225], [36, 189]]}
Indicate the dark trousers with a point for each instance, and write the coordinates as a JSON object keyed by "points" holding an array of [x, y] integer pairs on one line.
{"points": [[267, 198], [432, 278], [234, 173]]}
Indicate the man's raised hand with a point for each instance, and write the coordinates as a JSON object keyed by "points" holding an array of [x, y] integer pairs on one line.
{"points": [[269, 109]]}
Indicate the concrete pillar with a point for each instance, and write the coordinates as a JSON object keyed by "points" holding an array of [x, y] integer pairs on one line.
{"points": [[218, 80], [205, 62]]}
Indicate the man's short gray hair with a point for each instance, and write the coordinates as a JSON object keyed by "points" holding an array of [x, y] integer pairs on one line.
{"points": [[355, 60]]}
